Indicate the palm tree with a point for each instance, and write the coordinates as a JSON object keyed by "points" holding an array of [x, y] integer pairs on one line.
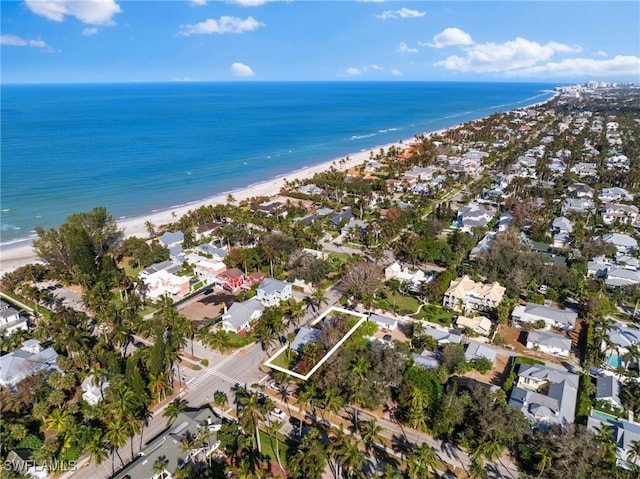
{"points": [[160, 465], [273, 430], [544, 455], [96, 448], [319, 298], [332, 401], [218, 340], [220, 400], [174, 409], [251, 415], [116, 436], [634, 453], [476, 468], [632, 356], [370, 432], [420, 461]]}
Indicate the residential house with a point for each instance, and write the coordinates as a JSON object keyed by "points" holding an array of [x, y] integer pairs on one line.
{"points": [[561, 229], [20, 461], [427, 359], [163, 283], [610, 195], [624, 243], [625, 435], [420, 173], [355, 229], [304, 336], [580, 190], [216, 254], [10, 319], [271, 292], [30, 359], [484, 245], [479, 324], [608, 390], [579, 205], [205, 230], [93, 391], [622, 338], [618, 213], [443, 336], [474, 215], [239, 316], [340, 219], [623, 271], [504, 222], [171, 239], [552, 343], [478, 350], [311, 189], [547, 396], [169, 446], [413, 279], [209, 270], [252, 279], [553, 317], [168, 266], [383, 322], [464, 294], [584, 169], [273, 208], [232, 279]]}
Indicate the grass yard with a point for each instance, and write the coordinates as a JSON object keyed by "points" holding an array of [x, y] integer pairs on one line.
{"points": [[435, 314], [238, 341]]}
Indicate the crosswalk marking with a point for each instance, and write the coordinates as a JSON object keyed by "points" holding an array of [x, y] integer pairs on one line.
{"points": [[213, 371]]}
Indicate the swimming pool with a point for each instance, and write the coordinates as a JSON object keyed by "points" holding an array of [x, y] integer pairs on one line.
{"points": [[614, 360], [603, 416]]}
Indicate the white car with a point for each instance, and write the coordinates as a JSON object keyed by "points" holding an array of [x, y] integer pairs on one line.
{"points": [[279, 413]]}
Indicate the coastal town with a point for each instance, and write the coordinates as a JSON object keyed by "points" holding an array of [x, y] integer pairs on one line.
{"points": [[461, 305]]}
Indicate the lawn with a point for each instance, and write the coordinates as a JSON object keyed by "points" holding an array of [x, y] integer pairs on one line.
{"points": [[436, 314], [238, 341], [269, 446]]}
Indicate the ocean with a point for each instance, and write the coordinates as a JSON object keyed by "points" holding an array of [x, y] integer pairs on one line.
{"points": [[139, 148]]}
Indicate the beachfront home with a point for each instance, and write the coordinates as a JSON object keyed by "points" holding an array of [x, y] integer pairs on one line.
{"points": [[464, 294], [168, 266], [551, 343], [30, 359], [205, 230], [168, 447], [271, 292], [547, 396], [531, 313], [10, 319], [169, 239], [239, 316]]}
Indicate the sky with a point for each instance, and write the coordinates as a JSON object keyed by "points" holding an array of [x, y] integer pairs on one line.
{"points": [[64, 41]]}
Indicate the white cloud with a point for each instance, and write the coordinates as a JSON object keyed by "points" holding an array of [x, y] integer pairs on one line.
{"points": [[396, 73], [249, 3], [402, 13], [620, 65], [241, 70], [93, 12], [511, 55], [16, 41], [404, 48], [197, 3], [89, 31], [377, 67], [183, 79], [600, 53], [223, 25], [354, 71], [448, 37]]}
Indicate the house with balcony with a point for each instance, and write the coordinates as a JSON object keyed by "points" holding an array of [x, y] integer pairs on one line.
{"points": [[10, 319], [532, 313], [163, 283], [209, 270], [618, 213], [240, 316], [271, 292], [464, 294], [30, 359]]}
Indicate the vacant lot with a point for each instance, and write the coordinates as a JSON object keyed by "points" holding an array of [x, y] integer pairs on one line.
{"points": [[204, 309]]}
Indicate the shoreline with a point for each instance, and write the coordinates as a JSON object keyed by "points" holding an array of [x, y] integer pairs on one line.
{"points": [[20, 252]]}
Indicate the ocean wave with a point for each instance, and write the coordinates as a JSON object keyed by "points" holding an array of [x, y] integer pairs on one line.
{"points": [[9, 227], [361, 137], [4, 210]]}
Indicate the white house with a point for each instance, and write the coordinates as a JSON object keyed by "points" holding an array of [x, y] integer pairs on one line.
{"points": [[412, 278], [240, 315], [479, 324], [561, 228], [551, 343], [383, 322], [474, 215], [10, 319], [623, 243], [271, 292], [93, 393], [30, 359], [615, 212], [608, 195], [552, 317], [163, 283], [209, 269]]}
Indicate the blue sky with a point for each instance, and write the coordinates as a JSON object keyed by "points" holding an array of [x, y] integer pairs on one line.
{"points": [[60, 41]]}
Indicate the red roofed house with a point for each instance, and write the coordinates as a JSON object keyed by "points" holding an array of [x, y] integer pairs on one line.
{"points": [[232, 279]]}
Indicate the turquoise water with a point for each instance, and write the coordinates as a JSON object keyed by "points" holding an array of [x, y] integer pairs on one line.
{"points": [[614, 360], [138, 148], [604, 416]]}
